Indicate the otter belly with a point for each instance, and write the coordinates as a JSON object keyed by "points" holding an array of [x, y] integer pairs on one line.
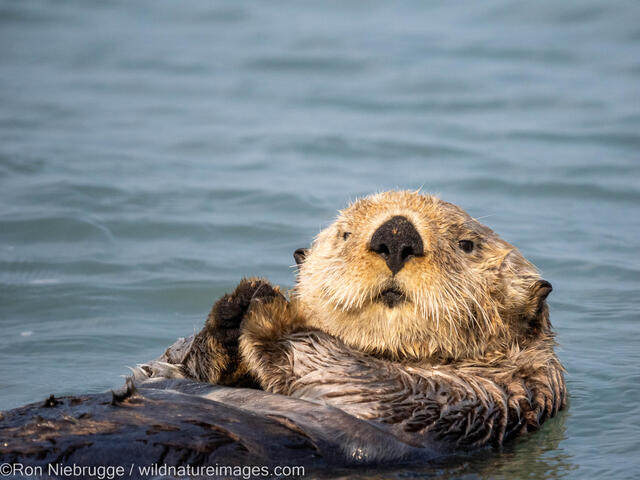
{"points": [[341, 408]]}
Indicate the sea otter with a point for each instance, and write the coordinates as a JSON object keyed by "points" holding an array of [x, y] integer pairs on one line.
{"points": [[407, 312]]}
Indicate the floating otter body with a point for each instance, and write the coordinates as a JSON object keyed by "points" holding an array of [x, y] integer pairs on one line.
{"points": [[413, 332], [407, 312]]}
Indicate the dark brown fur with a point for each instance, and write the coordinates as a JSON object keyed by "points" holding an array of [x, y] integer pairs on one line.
{"points": [[213, 356]]}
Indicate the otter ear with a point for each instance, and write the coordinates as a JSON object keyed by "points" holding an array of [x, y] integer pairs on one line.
{"points": [[542, 289], [538, 310], [299, 255]]}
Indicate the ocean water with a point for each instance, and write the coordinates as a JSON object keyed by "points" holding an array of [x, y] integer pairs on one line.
{"points": [[152, 153]]}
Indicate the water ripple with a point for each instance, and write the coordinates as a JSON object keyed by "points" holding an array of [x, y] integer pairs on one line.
{"points": [[153, 153]]}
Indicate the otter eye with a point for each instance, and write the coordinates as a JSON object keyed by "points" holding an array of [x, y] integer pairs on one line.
{"points": [[466, 245], [345, 235]]}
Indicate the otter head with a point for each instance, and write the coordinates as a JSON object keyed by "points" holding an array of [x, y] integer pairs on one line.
{"points": [[406, 275]]}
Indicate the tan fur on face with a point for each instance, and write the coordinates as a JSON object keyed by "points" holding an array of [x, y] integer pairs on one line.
{"points": [[460, 305]]}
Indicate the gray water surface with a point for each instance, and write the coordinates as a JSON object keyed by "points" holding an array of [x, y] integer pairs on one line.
{"points": [[152, 153]]}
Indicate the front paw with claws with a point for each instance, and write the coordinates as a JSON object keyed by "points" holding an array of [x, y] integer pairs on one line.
{"points": [[213, 356]]}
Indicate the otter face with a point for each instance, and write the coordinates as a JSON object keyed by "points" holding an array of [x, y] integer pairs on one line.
{"points": [[410, 276]]}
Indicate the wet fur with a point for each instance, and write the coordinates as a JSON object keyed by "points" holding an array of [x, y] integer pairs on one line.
{"points": [[467, 403], [468, 359], [212, 355]]}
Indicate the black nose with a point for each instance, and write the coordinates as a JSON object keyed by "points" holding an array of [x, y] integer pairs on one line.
{"points": [[397, 240]]}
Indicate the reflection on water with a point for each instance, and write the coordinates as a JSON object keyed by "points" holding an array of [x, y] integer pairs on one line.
{"points": [[538, 456]]}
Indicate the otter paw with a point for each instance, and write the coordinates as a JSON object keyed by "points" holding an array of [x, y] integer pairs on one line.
{"points": [[228, 312], [272, 320]]}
